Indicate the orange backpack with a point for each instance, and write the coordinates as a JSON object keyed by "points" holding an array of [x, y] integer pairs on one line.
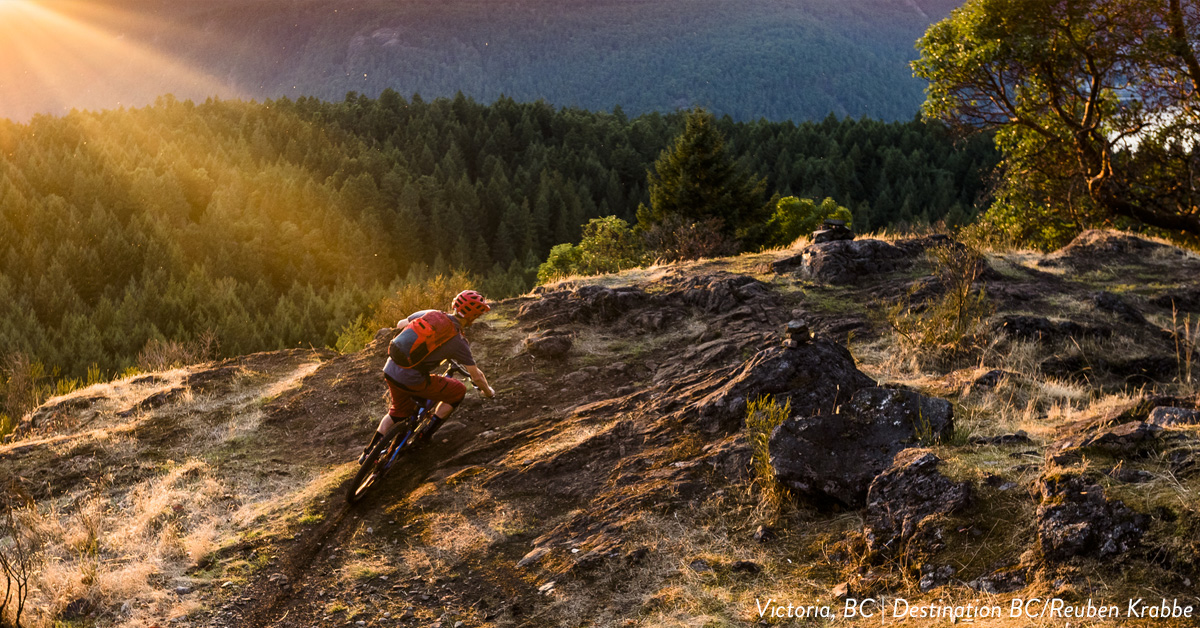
{"points": [[420, 337]]}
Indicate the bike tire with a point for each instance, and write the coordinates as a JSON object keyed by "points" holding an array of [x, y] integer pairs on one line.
{"points": [[372, 469]]}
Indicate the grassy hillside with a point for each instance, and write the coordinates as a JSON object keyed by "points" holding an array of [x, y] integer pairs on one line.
{"points": [[593, 489]]}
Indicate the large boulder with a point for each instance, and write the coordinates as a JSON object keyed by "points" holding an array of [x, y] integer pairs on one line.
{"points": [[588, 304], [1076, 519], [851, 261], [906, 497], [549, 345], [832, 458], [813, 377]]}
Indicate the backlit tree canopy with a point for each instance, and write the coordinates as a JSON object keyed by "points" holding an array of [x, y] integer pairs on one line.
{"points": [[1094, 103]]}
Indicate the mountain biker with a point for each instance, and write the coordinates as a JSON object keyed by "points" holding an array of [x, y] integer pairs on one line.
{"points": [[405, 384]]}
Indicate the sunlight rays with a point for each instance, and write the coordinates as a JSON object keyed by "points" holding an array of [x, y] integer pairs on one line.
{"points": [[55, 56]]}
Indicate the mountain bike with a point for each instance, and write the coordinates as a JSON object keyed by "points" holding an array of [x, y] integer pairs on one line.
{"points": [[404, 435]]}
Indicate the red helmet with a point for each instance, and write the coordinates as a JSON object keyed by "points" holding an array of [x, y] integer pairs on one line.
{"points": [[470, 305]]}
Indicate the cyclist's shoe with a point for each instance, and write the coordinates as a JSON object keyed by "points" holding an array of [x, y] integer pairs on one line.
{"points": [[363, 456]]}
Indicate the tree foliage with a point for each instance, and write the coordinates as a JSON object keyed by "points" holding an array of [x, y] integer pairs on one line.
{"points": [[608, 245], [1094, 104], [268, 225], [697, 180], [795, 217]]}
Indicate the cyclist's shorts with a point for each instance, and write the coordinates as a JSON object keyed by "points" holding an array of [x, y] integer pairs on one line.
{"points": [[436, 388]]}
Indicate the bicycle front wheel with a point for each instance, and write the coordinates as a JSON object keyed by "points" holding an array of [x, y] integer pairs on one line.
{"points": [[375, 466]]}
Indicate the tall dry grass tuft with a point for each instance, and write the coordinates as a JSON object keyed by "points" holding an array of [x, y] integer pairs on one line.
{"points": [[951, 325], [161, 355], [763, 415], [1186, 334], [106, 551]]}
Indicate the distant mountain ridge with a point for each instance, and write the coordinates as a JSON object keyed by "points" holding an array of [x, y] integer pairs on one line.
{"points": [[778, 59]]}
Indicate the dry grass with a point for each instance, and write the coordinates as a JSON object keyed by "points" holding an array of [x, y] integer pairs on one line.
{"points": [[114, 550]]}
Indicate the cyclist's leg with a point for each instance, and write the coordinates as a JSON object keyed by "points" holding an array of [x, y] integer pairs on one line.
{"points": [[402, 406], [447, 392]]}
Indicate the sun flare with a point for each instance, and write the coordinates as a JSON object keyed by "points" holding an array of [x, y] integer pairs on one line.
{"points": [[59, 55]]}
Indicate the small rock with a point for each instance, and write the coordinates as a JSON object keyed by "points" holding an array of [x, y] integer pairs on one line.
{"points": [[700, 566], [902, 498], [1076, 519], [841, 591], [998, 582], [545, 589], [762, 534], [990, 379], [1019, 438], [637, 556], [745, 566], [183, 590], [935, 577]]}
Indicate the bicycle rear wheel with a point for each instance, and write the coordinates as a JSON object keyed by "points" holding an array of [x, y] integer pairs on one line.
{"points": [[375, 466]]}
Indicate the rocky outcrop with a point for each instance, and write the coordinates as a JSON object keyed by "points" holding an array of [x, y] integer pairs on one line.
{"points": [[727, 297], [908, 496], [1095, 248], [1163, 416], [851, 261], [1044, 329], [588, 304], [1185, 300], [1117, 306], [1075, 519], [1134, 371], [812, 377], [549, 345], [1121, 439], [832, 458]]}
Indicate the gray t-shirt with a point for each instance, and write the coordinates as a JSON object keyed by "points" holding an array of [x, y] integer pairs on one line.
{"points": [[456, 349]]}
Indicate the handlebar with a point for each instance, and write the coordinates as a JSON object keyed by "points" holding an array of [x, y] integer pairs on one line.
{"points": [[455, 368]]}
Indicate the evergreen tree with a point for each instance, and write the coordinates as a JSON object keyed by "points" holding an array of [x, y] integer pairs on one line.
{"points": [[697, 180]]}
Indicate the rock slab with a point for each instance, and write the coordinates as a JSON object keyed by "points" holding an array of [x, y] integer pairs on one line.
{"points": [[906, 496], [1076, 519], [832, 458]]}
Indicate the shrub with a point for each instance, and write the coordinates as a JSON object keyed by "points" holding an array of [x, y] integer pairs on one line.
{"points": [[948, 326], [795, 217], [608, 246], [161, 354], [676, 239], [419, 291], [17, 552]]}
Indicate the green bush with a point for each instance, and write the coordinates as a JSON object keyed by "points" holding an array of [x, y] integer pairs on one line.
{"points": [[608, 246], [796, 217]]}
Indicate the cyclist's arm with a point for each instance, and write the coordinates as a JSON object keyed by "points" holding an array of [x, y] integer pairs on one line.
{"points": [[480, 381]]}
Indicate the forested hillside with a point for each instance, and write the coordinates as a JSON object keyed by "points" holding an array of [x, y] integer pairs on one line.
{"points": [[274, 225], [779, 59]]}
